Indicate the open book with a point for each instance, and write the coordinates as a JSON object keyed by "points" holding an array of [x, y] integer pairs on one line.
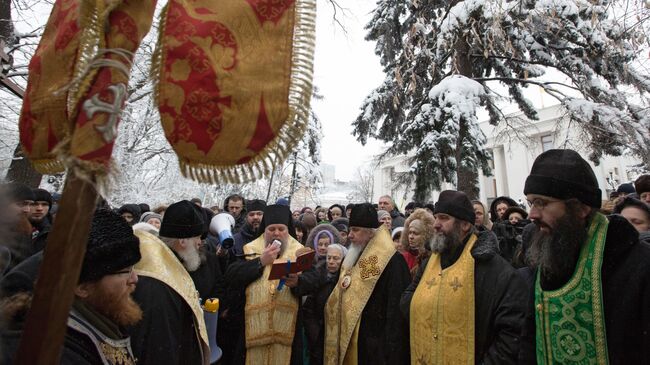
{"points": [[283, 267]]}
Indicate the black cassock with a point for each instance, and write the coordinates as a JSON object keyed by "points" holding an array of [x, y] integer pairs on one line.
{"points": [[166, 333]]}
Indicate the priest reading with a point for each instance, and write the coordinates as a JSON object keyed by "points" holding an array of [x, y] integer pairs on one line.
{"points": [[363, 323], [271, 333]]}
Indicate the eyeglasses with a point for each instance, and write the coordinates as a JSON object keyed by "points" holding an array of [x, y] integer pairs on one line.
{"points": [[539, 203], [125, 271]]}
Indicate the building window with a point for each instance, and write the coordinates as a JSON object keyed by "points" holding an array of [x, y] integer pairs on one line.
{"points": [[547, 142]]}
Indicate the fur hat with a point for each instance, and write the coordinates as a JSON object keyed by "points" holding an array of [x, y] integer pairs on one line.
{"points": [[517, 209], [112, 246], [320, 230], [182, 220], [364, 215], [642, 184], [456, 204], [564, 174], [134, 209]]}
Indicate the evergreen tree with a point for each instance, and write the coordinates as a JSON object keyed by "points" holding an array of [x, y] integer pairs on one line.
{"points": [[444, 60]]}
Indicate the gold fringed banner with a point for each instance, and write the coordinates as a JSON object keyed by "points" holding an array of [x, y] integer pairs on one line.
{"points": [[233, 83], [78, 81]]}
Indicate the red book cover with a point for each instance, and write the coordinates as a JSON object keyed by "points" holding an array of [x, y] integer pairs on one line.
{"points": [[281, 268]]}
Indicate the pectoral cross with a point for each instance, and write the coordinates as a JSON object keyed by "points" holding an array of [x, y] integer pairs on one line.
{"points": [[369, 267], [455, 284], [95, 105]]}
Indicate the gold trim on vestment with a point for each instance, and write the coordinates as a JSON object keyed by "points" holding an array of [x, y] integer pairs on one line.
{"points": [[345, 305], [442, 312], [270, 314], [159, 262]]}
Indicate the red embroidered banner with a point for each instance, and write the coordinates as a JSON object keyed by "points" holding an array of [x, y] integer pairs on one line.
{"points": [[78, 81], [234, 83]]}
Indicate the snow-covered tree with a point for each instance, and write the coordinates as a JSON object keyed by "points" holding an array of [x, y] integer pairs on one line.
{"points": [[446, 60]]}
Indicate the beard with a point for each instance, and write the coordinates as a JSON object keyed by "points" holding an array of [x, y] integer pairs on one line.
{"points": [[354, 251], [556, 252], [441, 243], [191, 259], [122, 310]]}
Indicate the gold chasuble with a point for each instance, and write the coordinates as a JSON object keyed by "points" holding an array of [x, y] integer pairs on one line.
{"points": [[159, 262], [442, 312], [348, 299], [270, 314]]}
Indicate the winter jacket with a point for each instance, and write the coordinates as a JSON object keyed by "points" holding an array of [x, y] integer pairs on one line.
{"points": [[314, 315], [398, 219], [499, 295], [625, 278]]}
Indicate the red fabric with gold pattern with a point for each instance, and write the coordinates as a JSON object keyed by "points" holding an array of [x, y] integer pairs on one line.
{"points": [[226, 70], [64, 74]]}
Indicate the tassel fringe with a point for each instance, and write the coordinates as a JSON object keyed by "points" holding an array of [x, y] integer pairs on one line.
{"points": [[289, 135]]}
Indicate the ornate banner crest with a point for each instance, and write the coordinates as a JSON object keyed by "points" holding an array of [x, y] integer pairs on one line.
{"points": [[234, 83], [78, 81]]}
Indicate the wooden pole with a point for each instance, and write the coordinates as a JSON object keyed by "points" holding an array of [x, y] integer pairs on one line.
{"points": [[42, 338]]}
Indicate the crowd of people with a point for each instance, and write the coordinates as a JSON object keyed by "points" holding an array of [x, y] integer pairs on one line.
{"points": [[563, 279]]}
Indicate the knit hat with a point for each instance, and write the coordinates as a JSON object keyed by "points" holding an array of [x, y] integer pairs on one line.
{"points": [[642, 184], [17, 192], [563, 174], [148, 215], [181, 220], [626, 188], [456, 204], [42, 195], [364, 215], [255, 205], [112, 246], [382, 213]]}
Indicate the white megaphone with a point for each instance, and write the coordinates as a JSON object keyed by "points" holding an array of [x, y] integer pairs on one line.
{"points": [[221, 226], [211, 318]]}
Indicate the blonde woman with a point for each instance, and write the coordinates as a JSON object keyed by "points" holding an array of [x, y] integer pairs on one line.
{"points": [[418, 231]]}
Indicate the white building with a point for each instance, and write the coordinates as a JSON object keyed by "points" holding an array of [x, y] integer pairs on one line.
{"points": [[514, 153]]}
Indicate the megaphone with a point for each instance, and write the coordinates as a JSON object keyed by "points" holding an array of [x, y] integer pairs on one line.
{"points": [[211, 318], [221, 226]]}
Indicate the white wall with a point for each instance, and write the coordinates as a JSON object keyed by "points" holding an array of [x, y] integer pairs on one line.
{"points": [[514, 154]]}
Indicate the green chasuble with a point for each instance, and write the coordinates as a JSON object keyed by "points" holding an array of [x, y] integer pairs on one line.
{"points": [[569, 321]]}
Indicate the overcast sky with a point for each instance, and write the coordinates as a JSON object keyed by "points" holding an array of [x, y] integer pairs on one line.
{"points": [[346, 71]]}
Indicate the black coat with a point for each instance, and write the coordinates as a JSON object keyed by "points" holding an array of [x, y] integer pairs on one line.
{"points": [[626, 298], [313, 310], [208, 278], [383, 332], [499, 297], [166, 333]]}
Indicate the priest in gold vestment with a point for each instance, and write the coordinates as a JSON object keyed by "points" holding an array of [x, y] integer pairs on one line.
{"points": [[272, 328], [466, 304], [363, 323]]}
